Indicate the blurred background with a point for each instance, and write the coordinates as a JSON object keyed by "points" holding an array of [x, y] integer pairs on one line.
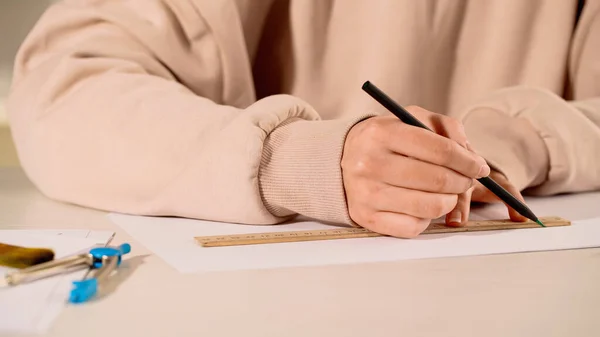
{"points": [[17, 17]]}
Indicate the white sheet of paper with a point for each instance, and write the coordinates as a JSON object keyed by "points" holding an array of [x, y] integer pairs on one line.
{"points": [[31, 308], [173, 240]]}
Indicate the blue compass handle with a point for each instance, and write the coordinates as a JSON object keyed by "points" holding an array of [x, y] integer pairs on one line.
{"points": [[100, 252], [86, 289]]}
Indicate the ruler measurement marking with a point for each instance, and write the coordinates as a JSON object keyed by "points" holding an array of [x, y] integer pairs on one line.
{"points": [[350, 233]]}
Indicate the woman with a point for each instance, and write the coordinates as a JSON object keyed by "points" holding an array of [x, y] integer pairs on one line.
{"points": [[252, 111]]}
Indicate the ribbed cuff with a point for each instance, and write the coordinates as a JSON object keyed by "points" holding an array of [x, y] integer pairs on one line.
{"points": [[300, 169]]}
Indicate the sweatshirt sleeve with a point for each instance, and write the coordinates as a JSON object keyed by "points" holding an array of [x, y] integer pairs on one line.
{"points": [[147, 107], [546, 144]]}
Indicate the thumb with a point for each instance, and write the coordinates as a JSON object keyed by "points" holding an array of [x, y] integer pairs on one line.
{"points": [[460, 214]]}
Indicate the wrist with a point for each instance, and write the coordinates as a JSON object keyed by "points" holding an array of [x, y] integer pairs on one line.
{"points": [[300, 170]]}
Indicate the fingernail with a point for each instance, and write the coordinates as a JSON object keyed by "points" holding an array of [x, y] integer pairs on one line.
{"points": [[455, 218], [484, 171]]}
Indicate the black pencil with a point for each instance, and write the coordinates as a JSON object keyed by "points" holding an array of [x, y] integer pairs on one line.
{"points": [[488, 182]]}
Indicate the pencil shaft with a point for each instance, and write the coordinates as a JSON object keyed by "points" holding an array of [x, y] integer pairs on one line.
{"points": [[508, 198], [392, 106]]}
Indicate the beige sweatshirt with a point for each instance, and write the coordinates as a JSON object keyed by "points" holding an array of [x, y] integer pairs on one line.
{"points": [[237, 110]]}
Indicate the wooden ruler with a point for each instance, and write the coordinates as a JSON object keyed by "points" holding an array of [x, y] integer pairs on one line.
{"points": [[349, 233]]}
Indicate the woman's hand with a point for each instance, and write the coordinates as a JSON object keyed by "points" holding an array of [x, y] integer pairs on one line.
{"points": [[399, 177]]}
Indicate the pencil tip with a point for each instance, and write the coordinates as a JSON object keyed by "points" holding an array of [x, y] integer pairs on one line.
{"points": [[540, 223]]}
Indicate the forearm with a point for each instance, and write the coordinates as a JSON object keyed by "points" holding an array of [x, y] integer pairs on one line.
{"points": [[107, 118], [140, 144]]}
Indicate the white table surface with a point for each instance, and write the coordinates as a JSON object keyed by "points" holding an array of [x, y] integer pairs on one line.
{"points": [[528, 294]]}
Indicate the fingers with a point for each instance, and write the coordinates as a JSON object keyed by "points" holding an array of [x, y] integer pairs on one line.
{"points": [[397, 225], [396, 211], [401, 171], [514, 215], [435, 149], [460, 214], [450, 144], [442, 125], [482, 194], [417, 203], [394, 135], [449, 128]]}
